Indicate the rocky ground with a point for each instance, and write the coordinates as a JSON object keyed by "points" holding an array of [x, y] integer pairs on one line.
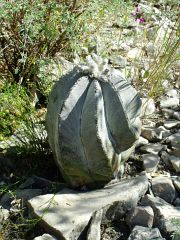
{"points": [[145, 204]]}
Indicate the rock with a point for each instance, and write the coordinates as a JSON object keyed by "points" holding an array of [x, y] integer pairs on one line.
{"points": [[35, 182], [169, 102], [110, 232], [94, 231], [172, 124], [144, 233], [141, 141], [164, 188], [6, 165], [70, 211], [45, 237], [172, 93], [165, 133], [133, 53], [148, 106], [150, 162], [165, 158], [119, 61], [151, 133], [175, 152], [175, 161], [24, 195], [141, 216], [177, 184], [177, 202], [176, 115], [171, 113], [178, 82], [150, 49], [174, 140], [164, 214], [154, 148], [4, 214]]}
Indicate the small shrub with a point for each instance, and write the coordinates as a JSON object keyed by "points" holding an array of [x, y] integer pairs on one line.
{"points": [[31, 30]]}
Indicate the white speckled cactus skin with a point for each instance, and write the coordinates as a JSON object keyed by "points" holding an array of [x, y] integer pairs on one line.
{"points": [[92, 123]]}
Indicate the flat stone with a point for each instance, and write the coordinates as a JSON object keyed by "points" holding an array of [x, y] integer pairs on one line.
{"points": [[172, 124], [169, 102], [141, 141], [174, 140], [175, 161], [151, 133], [141, 216], [165, 133], [164, 214], [177, 184], [94, 231], [145, 233], [67, 213], [148, 106], [150, 162], [45, 237], [154, 148], [164, 188]]}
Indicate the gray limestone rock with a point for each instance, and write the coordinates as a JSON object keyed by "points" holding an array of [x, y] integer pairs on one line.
{"points": [[165, 133], [164, 214], [165, 158], [175, 161], [169, 124], [176, 115], [154, 148], [177, 202], [164, 188], [150, 162], [151, 133], [141, 216], [169, 102], [174, 140], [145, 233], [67, 213], [141, 141], [45, 237], [176, 182], [94, 231], [169, 113], [172, 93], [175, 152]]}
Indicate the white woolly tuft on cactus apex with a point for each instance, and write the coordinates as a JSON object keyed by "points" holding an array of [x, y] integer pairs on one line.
{"points": [[95, 67]]}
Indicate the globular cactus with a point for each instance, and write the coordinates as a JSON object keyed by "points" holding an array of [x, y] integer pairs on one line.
{"points": [[92, 123]]}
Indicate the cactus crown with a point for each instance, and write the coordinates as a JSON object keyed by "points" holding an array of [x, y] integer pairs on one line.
{"points": [[95, 67]]}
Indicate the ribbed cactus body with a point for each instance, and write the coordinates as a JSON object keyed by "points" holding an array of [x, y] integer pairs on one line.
{"points": [[93, 124]]}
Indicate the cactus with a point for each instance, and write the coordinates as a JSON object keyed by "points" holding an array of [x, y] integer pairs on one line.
{"points": [[92, 123]]}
